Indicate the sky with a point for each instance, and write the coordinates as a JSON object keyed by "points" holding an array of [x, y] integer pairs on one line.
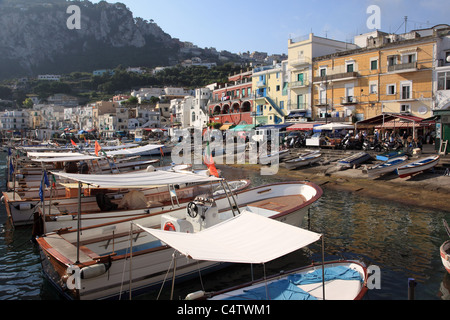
{"points": [[267, 26]]}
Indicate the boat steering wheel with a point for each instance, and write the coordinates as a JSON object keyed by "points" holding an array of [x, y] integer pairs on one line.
{"points": [[192, 209]]}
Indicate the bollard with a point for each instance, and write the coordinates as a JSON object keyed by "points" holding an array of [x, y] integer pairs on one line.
{"points": [[411, 287]]}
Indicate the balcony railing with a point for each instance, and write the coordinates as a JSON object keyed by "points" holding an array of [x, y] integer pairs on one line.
{"points": [[349, 100], [402, 67], [300, 62], [336, 77], [299, 84]]}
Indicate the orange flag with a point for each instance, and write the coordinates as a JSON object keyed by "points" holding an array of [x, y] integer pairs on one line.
{"points": [[209, 161], [73, 143], [97, 148]]}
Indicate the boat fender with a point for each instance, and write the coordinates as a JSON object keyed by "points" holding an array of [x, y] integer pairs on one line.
{"points": [[169, 227], [25, 206], [3, 199], [150, 168], [195, 295], [94, 271]]}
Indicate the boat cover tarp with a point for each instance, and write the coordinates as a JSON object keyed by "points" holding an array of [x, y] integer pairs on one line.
{"points": [[287, 289], [246, 238], [139, 179]]}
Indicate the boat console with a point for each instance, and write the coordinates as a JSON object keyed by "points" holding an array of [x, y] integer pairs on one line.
{"points": [[201, 213]]}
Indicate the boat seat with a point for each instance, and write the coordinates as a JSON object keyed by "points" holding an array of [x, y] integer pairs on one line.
{"points": [[66, 249]]}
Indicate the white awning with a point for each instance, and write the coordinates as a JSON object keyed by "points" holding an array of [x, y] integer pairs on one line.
{"points": [[136, 150], [53, 154], [81, 157], [246, 238], [141, 179]]}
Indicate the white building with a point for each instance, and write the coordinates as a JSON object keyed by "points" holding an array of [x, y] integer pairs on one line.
{"points": [[14, 120], [191, 111], [49, 77]]}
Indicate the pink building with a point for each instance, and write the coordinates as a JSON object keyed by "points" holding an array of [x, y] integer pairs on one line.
{"points": [[232, 102]]}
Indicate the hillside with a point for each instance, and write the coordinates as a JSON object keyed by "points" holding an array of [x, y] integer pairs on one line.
{"points": [[35, 39]]}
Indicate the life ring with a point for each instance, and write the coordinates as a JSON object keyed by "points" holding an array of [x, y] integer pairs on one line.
{"points": [[169, 227]]}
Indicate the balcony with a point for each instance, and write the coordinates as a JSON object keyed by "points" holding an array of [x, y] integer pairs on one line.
{"points": [[404, 67], [261, 83], [337, 77], [320, 102], [299, 84], [301, 62], [349, 100]]}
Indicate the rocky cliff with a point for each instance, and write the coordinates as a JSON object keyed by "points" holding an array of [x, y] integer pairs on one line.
{"points": [[35, 38]]}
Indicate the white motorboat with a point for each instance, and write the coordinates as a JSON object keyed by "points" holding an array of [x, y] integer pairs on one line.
{"points": [[100, 255], [386, 167]]}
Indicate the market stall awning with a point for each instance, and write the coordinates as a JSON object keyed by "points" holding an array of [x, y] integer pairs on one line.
{"points": [[243, 127], [274, 127], [246, 238], [391, 120], [225, 126], [307, 126]]}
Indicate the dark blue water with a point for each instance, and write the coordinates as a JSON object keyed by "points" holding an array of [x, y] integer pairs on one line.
{"points": [[402, 241]]}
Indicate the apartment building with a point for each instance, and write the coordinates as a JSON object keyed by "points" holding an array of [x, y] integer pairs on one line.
{"points": [[231, 102], [389, 74], [301, 51], [270, 86]]}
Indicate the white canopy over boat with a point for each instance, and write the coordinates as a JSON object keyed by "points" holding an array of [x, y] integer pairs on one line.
{"points": [[81, 157], [137, 180], [53, 154], [246, 238], [136, 150]]}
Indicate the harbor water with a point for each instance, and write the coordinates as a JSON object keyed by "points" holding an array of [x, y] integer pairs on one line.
{"points": [[402, 241]]}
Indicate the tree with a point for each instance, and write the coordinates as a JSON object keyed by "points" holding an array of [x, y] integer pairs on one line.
{"points": [[28, 103]]}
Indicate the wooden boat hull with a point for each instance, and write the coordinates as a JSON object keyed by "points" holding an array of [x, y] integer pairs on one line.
{"points": [[335, 289], [445, 255], [386, 167], [390, 155], [302, 161], [418, 166], [355, 159], [150, 258]]}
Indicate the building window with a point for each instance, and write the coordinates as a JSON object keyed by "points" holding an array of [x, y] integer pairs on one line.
{"points": [[374, 65], [323, 71], [392, 61], [278, 88], [444, 81], [390, 89], [405, 108], [350, 67], [406, 90], [373, 88], [409, 58]]}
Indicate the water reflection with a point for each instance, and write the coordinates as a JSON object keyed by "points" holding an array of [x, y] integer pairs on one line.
{"points": [[402, 240]]}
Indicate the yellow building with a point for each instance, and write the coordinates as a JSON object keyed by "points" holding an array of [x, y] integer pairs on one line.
{"points": [[269, 87], [301, 52], [389, 74]]}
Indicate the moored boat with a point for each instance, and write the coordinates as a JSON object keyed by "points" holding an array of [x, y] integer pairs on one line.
{"points": [[418, 166], [445, 250], [445, 255], [354, 159], [303, 160], [385, 167], [344, 280], [100, 253], [390, 155]]}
